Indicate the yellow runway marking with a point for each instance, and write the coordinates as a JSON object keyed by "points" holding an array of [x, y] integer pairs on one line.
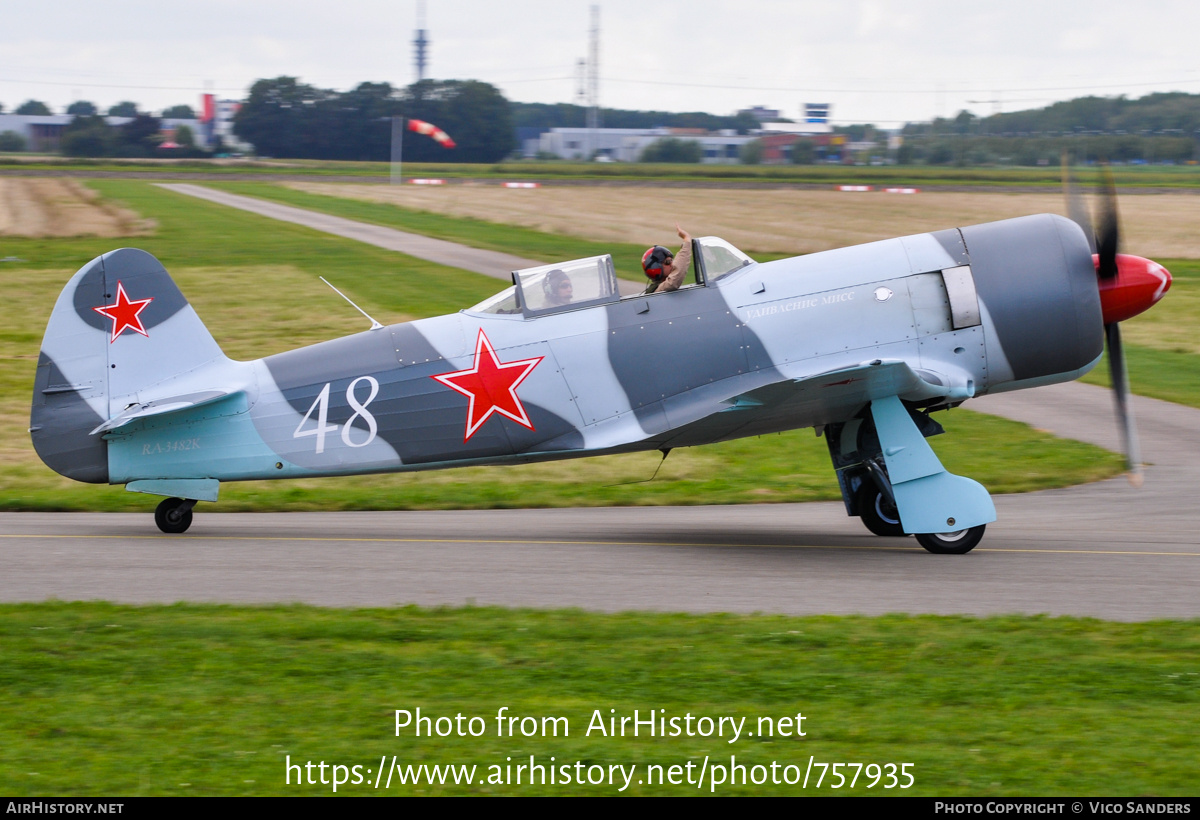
{"points": [[346, 540]]}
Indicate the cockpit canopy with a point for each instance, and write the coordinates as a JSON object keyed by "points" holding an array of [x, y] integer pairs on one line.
{"points": [[557, 287], [580, 283]]}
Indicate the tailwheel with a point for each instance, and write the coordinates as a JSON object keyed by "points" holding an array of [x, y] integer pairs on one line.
{"points": [[174, 515], [951, 543], [878, 514]]}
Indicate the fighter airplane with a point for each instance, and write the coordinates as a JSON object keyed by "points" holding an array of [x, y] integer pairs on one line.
{"points": [[862, 343]]}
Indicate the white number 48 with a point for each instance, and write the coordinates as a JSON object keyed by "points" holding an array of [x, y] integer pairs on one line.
{"points": [[321, 405]]}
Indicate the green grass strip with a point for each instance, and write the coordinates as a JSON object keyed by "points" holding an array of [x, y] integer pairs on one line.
{"points": [[1050, 176], [1160, 374], [206, 700]]}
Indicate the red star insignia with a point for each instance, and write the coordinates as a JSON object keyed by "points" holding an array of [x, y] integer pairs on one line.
{"points": [[124, 313], [491, 385]]}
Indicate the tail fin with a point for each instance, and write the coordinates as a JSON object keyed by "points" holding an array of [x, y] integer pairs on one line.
{"points": [[119, 326]]}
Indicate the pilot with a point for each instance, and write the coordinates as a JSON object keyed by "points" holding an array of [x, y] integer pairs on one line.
{"points": [[558, 289], [666, 270]]}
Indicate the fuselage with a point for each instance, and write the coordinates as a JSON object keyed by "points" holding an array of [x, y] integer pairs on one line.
{"points": [[982, 309]]}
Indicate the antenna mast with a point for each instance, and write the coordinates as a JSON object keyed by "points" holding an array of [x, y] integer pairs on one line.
{"points": [[421, 43], [593, 80], [581, 82]]}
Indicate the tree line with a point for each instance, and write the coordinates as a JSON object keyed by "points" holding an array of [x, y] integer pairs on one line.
{"points": [[286, 118], [84, 108], [1161, 127]]}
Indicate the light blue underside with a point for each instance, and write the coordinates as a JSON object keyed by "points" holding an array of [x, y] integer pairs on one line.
{"points": [[928, 498], [200, 489], [217, 440]]}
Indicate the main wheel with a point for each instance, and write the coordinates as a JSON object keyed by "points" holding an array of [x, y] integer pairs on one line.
{"points": [[951, 543], [172, 516], [877, 513]]}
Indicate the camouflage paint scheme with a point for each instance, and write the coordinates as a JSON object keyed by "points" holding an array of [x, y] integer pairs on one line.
{"points": [[132, 389]]}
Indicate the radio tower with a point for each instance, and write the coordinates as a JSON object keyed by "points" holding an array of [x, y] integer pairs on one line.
{"points": [[420, 43], [593, 84]]}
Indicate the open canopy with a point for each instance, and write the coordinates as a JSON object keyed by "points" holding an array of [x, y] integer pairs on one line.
{"points": [[580, 283]]}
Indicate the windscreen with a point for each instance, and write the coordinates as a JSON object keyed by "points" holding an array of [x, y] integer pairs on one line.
{"points": [[720, 258], [503, 302]]}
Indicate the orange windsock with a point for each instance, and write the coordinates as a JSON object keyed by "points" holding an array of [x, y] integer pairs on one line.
{"points": [[431, 130]]}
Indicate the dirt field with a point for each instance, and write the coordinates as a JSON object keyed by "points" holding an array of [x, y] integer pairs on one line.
{"points": [[40, 208], [1157, 226]]}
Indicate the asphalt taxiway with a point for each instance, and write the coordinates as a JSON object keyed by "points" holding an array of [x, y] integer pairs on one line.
{"points": [[1106, 550]]}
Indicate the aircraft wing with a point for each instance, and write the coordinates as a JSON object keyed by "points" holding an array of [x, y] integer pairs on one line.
{"points": [[862, 383], [812, 400]]}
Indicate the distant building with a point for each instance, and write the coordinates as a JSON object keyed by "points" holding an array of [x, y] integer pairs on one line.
{"points": [[627, 144], [587, 143], [216, 121], [529, 139], [761, 113], [777, 148], [801, 128], [42, 133], [816, 113]]}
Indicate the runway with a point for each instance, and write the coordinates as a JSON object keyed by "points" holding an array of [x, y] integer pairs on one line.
{"points": [[489, 263], [1104, 550]]}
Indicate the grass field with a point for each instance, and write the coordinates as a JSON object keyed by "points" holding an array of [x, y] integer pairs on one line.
{"points": [[60, 207], [202, 700], [785, 221]]}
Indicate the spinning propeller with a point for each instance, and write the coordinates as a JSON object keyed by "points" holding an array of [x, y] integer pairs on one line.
{"points": [[1128, 286]]}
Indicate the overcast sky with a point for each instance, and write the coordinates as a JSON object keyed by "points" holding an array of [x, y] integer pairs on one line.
{"points": [[881, 61]]}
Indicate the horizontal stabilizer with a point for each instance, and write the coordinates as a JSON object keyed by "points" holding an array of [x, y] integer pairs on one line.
{"points": [[160, 407]]}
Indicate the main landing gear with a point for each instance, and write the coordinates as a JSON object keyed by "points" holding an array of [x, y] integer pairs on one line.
{"points": [[951, 543], [174, 515], [880, 517], [887, 441], [877, 511]]}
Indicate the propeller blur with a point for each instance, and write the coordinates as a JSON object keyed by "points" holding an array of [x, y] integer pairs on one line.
{"points": [[1128, 285]]}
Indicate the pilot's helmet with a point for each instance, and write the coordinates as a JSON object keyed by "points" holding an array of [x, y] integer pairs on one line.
{"points": [[553, 280], [654, 259]]}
